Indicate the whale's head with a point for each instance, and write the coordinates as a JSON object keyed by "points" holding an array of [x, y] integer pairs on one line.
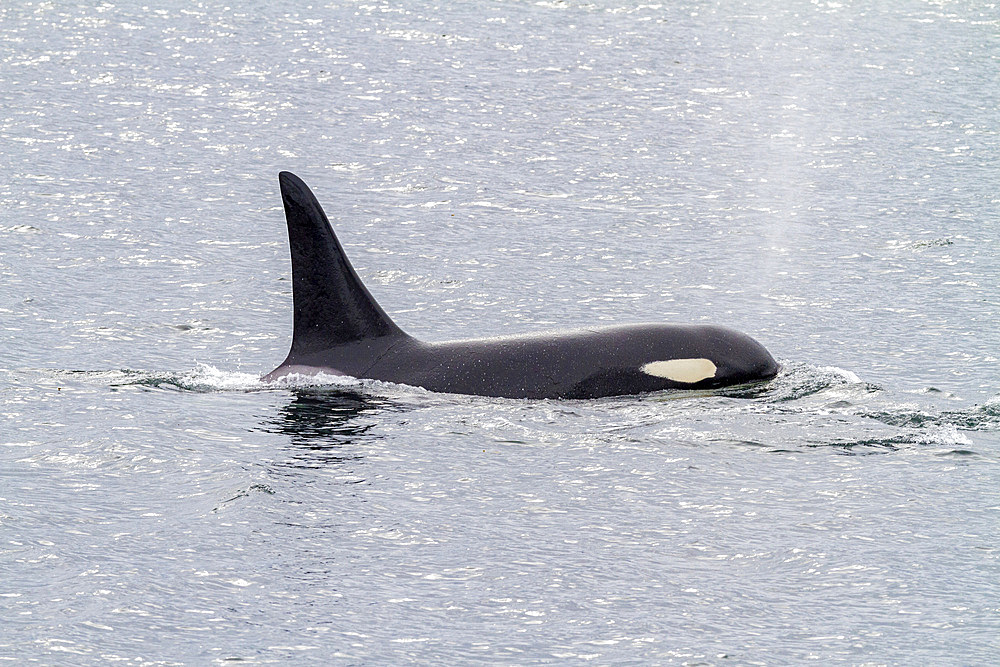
{"points": [[739, 358], [711, 356]]}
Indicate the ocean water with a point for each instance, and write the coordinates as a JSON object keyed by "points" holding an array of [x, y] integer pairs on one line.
{"points": [[821, 175]]}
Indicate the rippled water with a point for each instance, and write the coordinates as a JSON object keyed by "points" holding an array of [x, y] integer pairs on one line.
{"points": [[820, 175]]}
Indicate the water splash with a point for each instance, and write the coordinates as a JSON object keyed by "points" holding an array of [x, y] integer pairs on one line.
{"points": [[798, 381], [206, 378]]}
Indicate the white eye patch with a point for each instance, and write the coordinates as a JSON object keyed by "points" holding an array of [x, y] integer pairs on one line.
{"points": [[688, 371]]}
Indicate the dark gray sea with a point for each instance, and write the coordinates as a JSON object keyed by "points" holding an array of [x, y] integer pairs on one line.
{"points": [[822, 175]]}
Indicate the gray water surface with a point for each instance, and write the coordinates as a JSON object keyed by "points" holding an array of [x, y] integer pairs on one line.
{"points": [[821, 175]]}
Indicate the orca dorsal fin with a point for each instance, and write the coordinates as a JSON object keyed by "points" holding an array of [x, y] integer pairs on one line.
{"points": [[332, 305]]}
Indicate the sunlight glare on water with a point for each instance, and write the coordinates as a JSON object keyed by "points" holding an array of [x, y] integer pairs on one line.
{"points": [[821, 175]]}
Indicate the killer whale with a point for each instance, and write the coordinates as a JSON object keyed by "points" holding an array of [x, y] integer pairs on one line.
{"points": [[339, 328]]}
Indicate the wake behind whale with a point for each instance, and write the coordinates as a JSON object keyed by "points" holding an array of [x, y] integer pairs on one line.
{"points": [[340, 329]]}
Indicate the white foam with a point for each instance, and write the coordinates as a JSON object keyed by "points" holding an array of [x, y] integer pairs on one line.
{"points": [[212, 378], [299, 380], [948, 435], [847, 376]]}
